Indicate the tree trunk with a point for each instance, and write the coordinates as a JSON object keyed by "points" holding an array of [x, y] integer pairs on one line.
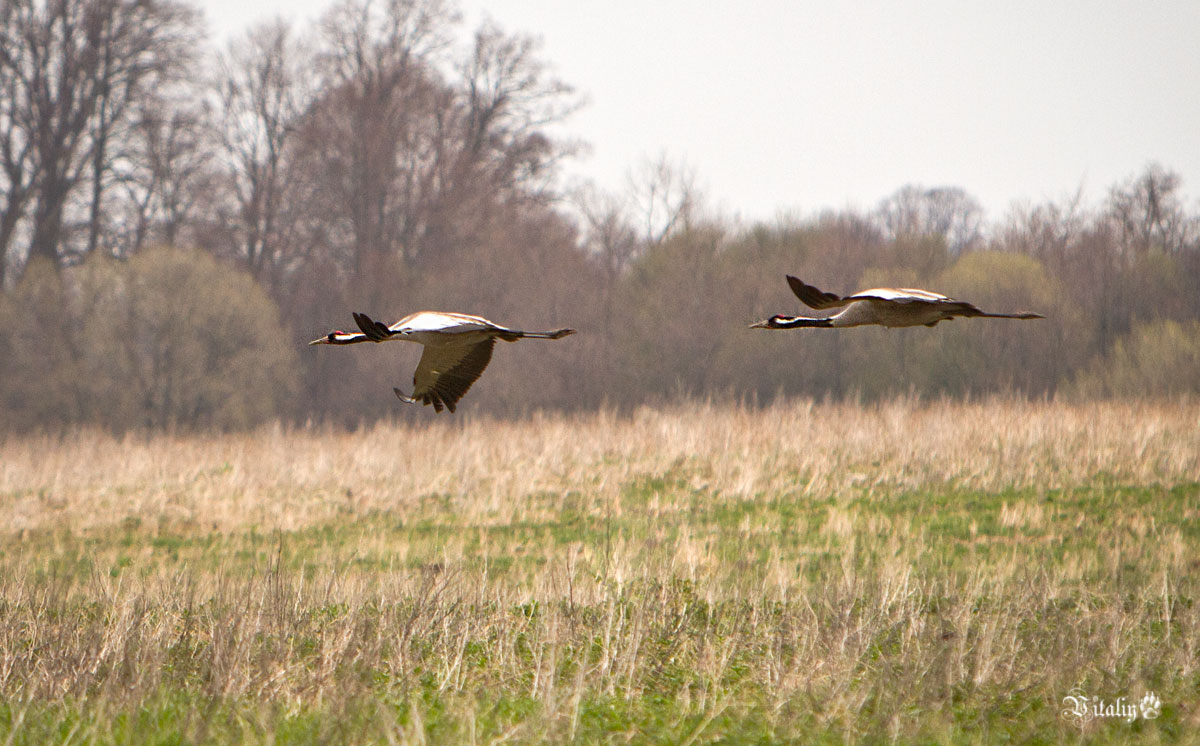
{"points": [[47, 222]]}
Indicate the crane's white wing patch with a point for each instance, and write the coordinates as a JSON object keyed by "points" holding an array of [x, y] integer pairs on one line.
{"points": [[437, 321], [901, 295]]}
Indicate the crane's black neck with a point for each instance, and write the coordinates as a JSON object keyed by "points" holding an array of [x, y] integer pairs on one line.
{"points": [[344, 338], [798, 322]]}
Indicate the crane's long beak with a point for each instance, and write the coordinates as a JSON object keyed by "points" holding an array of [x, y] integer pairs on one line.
{"points": [[328, 339], [764, 324]]}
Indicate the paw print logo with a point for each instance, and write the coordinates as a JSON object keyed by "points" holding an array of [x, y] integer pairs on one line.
{"points": [[1151, 706]]}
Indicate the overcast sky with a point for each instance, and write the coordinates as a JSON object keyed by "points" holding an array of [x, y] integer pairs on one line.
{"points": [[785, 106]]}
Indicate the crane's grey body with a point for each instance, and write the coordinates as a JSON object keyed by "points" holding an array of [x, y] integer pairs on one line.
{"points": [[872, 307]]}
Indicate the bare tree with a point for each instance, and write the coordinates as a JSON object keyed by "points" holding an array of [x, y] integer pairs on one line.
{"points": [[412, 151], [608, 234], [263, 91], [17, 171], [70, 69], [948, 212], [1046, 232], [664, 197], [1148, 214], [371, 136], [511, 99], [166, 169]]}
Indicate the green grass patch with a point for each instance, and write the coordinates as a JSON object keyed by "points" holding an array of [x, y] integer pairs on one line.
{"points": [[667, 614]]}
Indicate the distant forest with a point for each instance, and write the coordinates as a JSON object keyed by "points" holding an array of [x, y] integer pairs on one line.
{"points": [[177, 220]]}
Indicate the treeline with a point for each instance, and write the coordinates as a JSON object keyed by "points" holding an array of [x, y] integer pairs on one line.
{"points": [[176, 221]]}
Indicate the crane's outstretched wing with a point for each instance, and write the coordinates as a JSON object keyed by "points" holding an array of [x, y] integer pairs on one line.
{"points": [[444, 374], [820, 300]]}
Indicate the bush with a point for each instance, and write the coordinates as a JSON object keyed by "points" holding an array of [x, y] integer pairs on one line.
{"points": [[169, 339], [980, 356], [42, 381], [1156, 359]]}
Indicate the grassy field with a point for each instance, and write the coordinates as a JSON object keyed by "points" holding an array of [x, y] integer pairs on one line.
{"points": [[909, 572]]}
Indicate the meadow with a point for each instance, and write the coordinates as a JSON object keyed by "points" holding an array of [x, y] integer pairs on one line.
{"points": [[902, 572]]}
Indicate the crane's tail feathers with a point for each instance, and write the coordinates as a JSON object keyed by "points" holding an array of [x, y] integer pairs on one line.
{"points": [[556, 334], [1024, 315], [513, 335], [376, 331]]}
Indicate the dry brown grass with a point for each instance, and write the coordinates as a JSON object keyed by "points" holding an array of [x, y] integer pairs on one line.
{"points": [[290, 478], [909, 571]]}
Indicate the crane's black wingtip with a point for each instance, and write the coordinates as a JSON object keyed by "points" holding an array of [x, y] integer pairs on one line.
{"points": [[801, 289], [376, 331], [365, 324], [810, 295]]}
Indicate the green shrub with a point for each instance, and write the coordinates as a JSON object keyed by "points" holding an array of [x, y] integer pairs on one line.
{"points": [[979, 356], [170, 338], [1155, 359]]}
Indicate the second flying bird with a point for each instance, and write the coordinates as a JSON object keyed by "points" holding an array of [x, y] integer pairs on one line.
{"points": [[883, 306]]}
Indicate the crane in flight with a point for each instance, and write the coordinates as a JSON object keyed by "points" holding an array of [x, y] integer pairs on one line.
{"points": [[457, 349], [883, 306]]}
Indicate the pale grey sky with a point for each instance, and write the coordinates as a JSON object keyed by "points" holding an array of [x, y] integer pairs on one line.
{"points": [[791, 106]]}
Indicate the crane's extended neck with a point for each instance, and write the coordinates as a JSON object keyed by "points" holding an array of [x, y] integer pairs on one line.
{"points": [[340, 338], [792, 322]]}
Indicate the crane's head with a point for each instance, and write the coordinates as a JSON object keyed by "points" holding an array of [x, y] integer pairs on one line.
{"points": [[338, 337], [771, 323]]}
